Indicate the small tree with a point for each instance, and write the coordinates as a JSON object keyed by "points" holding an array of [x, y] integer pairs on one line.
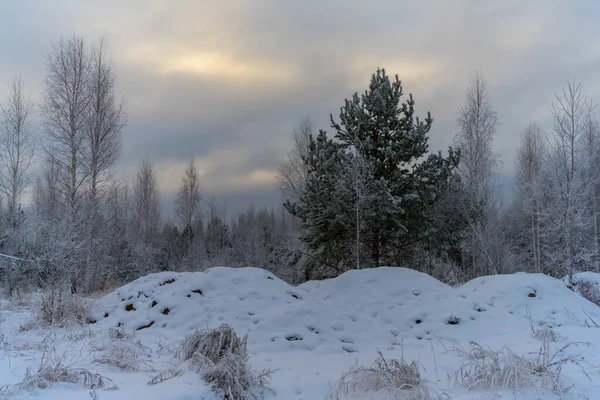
{"points": [[326, 211], [105, 120], [145, 218], [478, 122], [530, 158], [16, 149], [65, 110], [385, 132], [293, 173], [187, 207], [570, 209], [357, 183]]}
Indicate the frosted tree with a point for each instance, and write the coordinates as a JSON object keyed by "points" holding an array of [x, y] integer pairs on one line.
{"points": [[187, 208], [591, 170], [65, 110], [16, 154], [117, 249], [326, 212], [529, 179], [357, 183], [293, 173], [217, 237], [386, 133], [146, 203], [57, 242], [16, 149], [105, 121], [145, 218], [570, 209], [477, 122]]}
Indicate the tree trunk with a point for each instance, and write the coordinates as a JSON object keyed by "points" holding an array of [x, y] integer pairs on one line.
{"points": [[357, 236]]}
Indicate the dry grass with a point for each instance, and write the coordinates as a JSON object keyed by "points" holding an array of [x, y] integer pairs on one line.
{"points": [[64, 310], [485, 368], [52, 370], [589, 290], [221, 357], [119, 333], [545, 334], [125, 355], [165, 376], [392, 378], [123, 352], [212, 344]]}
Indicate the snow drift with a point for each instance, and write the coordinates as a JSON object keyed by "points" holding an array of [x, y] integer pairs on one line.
{"points": [[357, 310], [313, 334]]}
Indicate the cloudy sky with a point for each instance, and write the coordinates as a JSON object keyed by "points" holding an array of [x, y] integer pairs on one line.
{"points": [[226, 81]]}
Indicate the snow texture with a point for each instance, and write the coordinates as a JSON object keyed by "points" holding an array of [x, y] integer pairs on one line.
{"points": [[314, 333]]}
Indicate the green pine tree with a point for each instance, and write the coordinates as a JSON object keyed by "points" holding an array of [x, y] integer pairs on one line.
{"points": [[386, 132], [405, 183], [327, 224]]}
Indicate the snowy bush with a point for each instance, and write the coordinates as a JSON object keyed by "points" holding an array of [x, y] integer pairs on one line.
{"points": [[221, 357], [396, 379], [589, 290], [485, 368], [62, 309]]}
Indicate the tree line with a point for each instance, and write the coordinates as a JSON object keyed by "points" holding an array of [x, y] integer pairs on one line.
{"points": [[369, 194], [373, 195]]}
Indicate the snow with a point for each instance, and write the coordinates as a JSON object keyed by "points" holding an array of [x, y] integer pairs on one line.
{"points": [[313, 333]]}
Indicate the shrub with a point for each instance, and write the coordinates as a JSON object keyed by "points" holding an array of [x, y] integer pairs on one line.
{"points": [[396, 379], [221, 357], [589, 290], [63, 309], [485, 368]]}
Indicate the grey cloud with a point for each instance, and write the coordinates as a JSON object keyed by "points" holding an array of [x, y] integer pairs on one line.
{"points": [[297, 58]]}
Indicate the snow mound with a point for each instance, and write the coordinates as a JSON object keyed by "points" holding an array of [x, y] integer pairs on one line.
{"points": [[588, 276], [587, 284], [357, 310]]}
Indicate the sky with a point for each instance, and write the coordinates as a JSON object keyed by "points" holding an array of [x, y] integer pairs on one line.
{"points": [[226, 81]]}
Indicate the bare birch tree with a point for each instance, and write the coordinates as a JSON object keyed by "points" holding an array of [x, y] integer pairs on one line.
{"points": [[571, 119], [358, 181], [188, 207], [294, 171], [65, 107], [530, 158], [478, 122], [146, 207], [16, 149], [105, 120], [592, 181]]}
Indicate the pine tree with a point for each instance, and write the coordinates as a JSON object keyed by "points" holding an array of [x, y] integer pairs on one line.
{"points": [[385, 131], [325, 211]]}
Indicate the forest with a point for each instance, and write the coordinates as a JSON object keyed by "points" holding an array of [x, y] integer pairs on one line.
{"points": [[363, 192]]}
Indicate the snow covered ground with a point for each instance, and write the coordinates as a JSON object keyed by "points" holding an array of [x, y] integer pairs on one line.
{"points": [[313, 333]]}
